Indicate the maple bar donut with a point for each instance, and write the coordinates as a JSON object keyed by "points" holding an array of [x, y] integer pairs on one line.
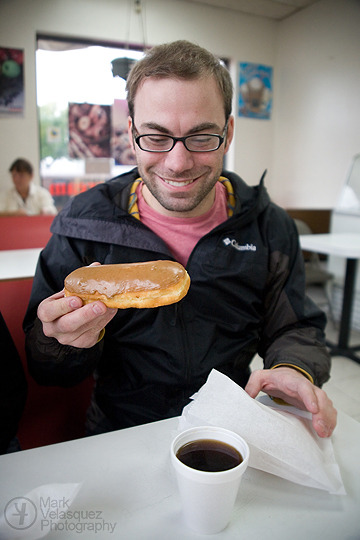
{"points": [[140, 285]]}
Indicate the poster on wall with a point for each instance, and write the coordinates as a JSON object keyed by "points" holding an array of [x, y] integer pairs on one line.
{"points": [[11, 81], [89, 130], [120, 145], [255, 91]]}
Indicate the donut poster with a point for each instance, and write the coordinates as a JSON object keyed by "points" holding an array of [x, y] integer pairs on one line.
{"points": [[255, 91], [11, 81], [121, 150], [100, 131], [89, 130]]}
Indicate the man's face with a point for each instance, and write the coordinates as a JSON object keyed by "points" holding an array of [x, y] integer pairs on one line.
{"points": [[179, 182]]}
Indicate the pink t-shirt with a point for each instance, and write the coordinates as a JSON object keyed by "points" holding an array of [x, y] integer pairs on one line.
{"points": [[182, 234]]}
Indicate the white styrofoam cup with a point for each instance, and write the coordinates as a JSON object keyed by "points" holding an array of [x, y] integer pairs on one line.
{"points": [[208, 497]]}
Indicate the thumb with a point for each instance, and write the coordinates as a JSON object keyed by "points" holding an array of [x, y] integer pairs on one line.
{"points": [[254, 384]]}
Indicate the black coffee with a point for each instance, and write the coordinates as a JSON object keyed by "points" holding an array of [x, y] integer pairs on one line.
{"points": [[209, 455]]}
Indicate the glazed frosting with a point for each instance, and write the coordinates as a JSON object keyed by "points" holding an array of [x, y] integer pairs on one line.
{"points": [[115, 279]]}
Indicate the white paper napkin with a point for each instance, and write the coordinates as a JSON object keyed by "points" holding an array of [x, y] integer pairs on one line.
{"points": [[31, 516], [281, 443]]}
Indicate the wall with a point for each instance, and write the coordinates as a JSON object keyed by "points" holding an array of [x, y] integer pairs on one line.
{"points": [[223, 31], [317, 104], [308, 144]]}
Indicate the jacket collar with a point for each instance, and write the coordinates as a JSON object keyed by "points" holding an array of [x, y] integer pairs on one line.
{"points": [[96, 214]]}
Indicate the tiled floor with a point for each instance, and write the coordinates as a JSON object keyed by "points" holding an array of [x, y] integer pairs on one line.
{"points": [[343, 388]]}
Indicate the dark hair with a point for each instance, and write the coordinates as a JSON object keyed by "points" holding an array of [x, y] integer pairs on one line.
{"points": [[22, 165], [179, 59]]}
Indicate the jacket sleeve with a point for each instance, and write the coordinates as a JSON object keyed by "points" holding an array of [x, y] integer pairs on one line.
{"points": [[49, 362], [294, 326]]}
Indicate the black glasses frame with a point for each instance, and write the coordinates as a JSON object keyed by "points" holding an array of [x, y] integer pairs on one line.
{"points": [[221, 138]]}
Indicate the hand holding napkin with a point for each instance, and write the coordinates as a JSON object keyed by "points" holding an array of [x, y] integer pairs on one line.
{"points": [[281, 443]]}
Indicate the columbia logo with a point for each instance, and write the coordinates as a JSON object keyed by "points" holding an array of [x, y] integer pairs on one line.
{"points": [[234, 244]]}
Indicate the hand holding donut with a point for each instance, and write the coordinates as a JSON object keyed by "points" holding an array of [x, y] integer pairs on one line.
{"points": [[71, 322], [92, 294]]}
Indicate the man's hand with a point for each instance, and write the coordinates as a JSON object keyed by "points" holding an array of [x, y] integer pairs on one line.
{"points": [[294, 388], [72, 323]]}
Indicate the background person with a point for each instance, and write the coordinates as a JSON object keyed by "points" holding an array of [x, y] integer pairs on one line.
{"points": [[25, 197], [242, 252]]}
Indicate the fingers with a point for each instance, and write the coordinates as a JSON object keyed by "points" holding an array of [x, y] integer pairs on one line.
{"points": [[254, 384], [72, 323], [57, 305], [284, 383], [295, 389], [81, 329], [324, 422], [50, 309]]}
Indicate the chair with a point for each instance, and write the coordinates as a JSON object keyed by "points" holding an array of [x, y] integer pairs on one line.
{"points": [[315, 273], [22, 232]]}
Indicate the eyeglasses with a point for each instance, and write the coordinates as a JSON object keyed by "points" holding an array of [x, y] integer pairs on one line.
{"points": [[204, 142]]}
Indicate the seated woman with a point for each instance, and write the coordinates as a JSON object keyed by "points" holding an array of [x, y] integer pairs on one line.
{"points": [[25, 197]]}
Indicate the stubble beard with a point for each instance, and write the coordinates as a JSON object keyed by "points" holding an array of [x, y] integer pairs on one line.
{"points": [[179, 202]]}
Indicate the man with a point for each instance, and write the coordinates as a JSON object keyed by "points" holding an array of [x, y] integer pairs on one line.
{"points": [[25, 198], [241, 251]]}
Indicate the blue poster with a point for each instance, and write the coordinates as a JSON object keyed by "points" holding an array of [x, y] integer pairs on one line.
{"points": [[255, 91]]}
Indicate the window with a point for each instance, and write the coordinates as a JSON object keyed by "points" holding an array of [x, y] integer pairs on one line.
{"points": [[82, 114]]}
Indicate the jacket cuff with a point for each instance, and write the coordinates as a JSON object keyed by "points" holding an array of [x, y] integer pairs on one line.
{"points": [[280, 401], [297, 368], [101, 335]]}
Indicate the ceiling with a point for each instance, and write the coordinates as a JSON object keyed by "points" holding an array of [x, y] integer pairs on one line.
{"points": [[271, 9]]}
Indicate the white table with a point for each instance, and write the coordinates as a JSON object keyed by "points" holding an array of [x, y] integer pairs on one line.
{"points": [[18, 263], [127, 479], [345, 245]]}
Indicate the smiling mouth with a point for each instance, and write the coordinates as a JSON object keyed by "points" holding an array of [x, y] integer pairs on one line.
{"points": [[178, 183]]}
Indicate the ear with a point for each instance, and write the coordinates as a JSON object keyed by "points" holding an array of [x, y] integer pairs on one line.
{"points": [[229, 133]]}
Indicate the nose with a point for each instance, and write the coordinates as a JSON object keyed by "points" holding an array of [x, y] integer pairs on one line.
{"points": [[179, 158]]}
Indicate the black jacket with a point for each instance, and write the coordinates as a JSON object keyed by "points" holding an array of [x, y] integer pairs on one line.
{"points": [[13, 388], [246, 297]]}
